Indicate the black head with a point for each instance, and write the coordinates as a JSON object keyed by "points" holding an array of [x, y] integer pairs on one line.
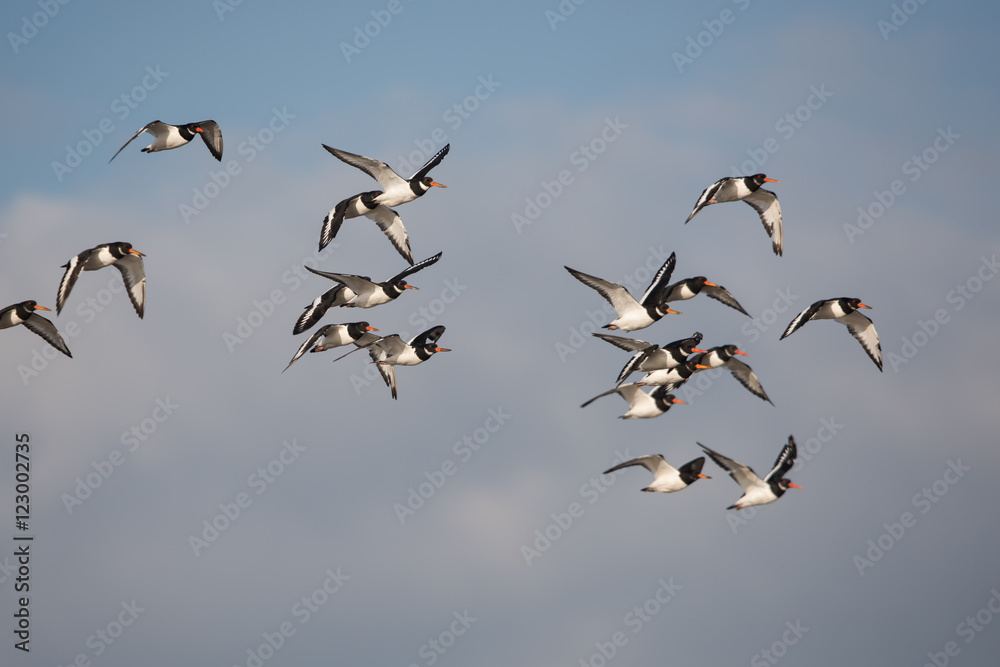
{"points": [[429, 182], [691, 471], [358, 329], [852, 304], [121, 249]]}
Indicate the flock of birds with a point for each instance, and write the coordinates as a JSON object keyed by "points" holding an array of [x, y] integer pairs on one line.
{"points": [[666, 367], [350, 291]]}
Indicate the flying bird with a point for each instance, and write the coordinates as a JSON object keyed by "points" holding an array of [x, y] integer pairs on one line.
{"points": [[652, 357], [24, 313], [357, 292], [725, 356], [391, 351], [747, 188], [692, 287], [666, 478], [757, 491], [120, 255], [167, 136], [640, 404], [396, 189], [845, 311], [336, 335], [632, 314]]}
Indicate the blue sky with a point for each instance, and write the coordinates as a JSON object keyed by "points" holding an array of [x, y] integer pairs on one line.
{"points": [[611, 123]]}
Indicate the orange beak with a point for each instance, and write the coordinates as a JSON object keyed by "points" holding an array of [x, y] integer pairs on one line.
{"points": [[371, 329], [136, 252], [695, 349], [441, 349], [438, 185], [861, 305], [794, 486], [677, 400], [701, 368], [198, 129], [771, 180], [741, 352], [407, 287], [671, 311], [37, 307], [711, 284], [700, 476]]}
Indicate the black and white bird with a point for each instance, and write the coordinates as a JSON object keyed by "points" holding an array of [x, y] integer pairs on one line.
{"points": [[640, 404], [364, 204], [336, 335], [845, 311], [652, 357], [24, 313], [167, 136], [672, 378], [692, 287], [747, 188], [395, 189], [757, 491], [356, 292], [391, 351], [725, 356], [666, 478], [632, 314], [120, 255]]}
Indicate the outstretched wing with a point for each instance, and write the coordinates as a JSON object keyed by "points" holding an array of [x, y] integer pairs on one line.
{"points": [[746, 377], [705, 197], [863, 329], [801, 319], [654, 463], [654, 291], [433, 162], [784, 462], [44, 328], [766, 204], [212, 136], [721, 294], [617, 296], [416, 267], [392, 225], [74, 267], [155, 128], [377, 169], [426, 338], [134, 275], [741, 474]]}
